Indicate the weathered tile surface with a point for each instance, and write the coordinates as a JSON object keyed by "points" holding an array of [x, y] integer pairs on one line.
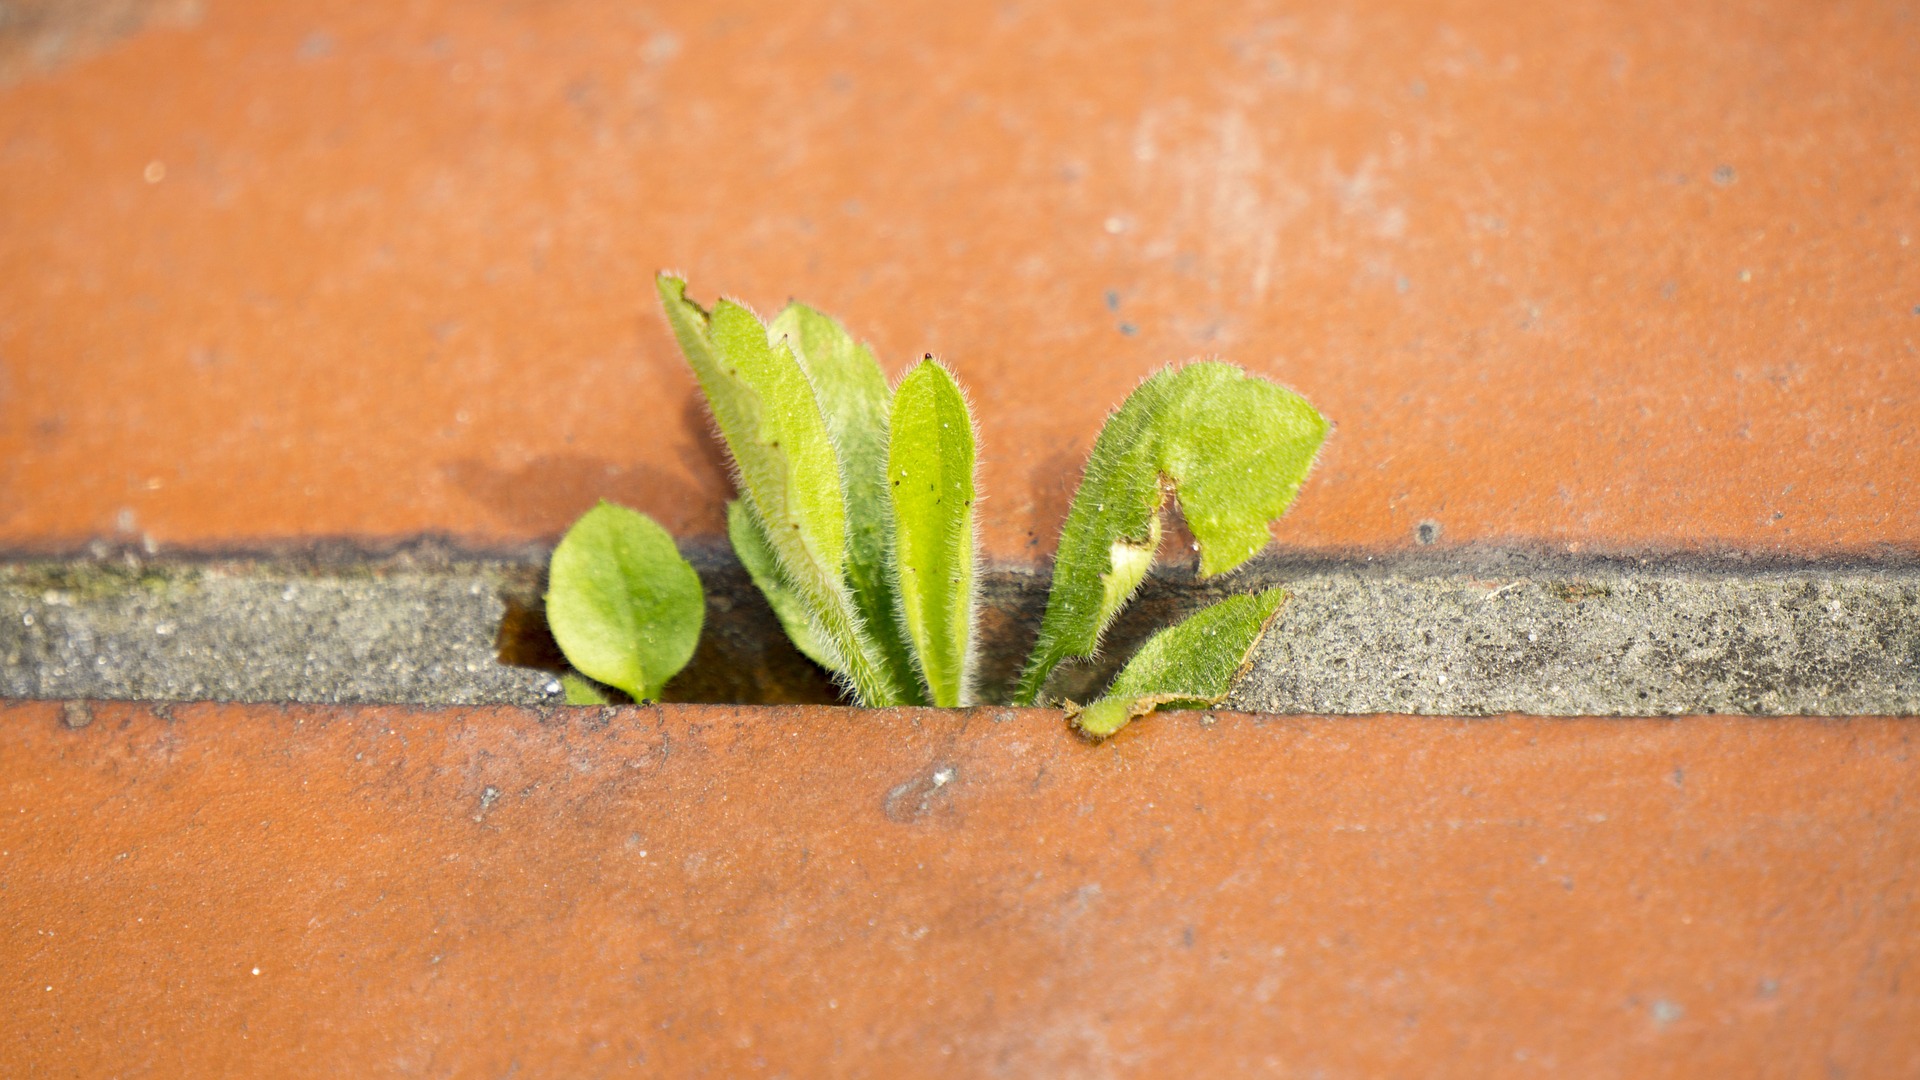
{"points": [[313, 891], [1602, 275], [1589, 277]]}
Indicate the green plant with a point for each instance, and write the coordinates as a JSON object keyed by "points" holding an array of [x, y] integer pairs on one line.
{"points": [[623, 605], [855, 519]]}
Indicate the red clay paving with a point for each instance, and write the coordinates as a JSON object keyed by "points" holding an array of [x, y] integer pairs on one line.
{"points": [[1615, 276], [1600, 276], [263, 891]]}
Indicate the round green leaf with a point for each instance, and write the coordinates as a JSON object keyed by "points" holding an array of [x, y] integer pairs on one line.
{"points": [[624, 607]]}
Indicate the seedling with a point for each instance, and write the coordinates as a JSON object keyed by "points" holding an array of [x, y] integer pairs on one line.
{"points": [[622, 603], [855, 519]]}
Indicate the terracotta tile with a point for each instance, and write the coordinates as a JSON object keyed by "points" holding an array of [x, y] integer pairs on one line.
{"points": [[309, 891], [1609, 276]]}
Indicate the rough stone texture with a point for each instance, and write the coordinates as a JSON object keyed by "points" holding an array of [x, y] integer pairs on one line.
{"points": [[1498, 632], [323, 891], [1617, 642], [418, 626], [194, 633]]}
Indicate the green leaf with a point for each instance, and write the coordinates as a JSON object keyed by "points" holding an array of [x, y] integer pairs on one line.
{"points": [[1237, 449], [767, 413], [1109, 540], [1234, 448], [1191, 664], [756, 554], [789, 474], [853, 397], [930, 470], [623, 605], [581, 690]]}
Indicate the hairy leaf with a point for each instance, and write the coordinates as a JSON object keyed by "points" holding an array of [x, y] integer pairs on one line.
{"points": [[624, 607], [1193, 663], [1234, 448], [773, 427], [756, 554], [771, 420], [853, 396], [1108, 542], [1237, 448], [930, 470], [581, 690]]}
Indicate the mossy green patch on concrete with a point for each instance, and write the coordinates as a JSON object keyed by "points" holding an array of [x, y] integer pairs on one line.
{"points": [[94, 581]]}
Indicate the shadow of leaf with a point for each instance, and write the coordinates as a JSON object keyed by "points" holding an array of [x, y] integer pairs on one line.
{"points": [[545, 495]]}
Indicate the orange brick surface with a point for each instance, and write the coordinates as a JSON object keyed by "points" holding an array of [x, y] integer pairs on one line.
{"points": [[1598, 275], [705, 891]]}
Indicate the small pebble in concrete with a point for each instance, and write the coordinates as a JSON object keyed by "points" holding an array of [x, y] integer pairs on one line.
{"points": [[77, 714]]}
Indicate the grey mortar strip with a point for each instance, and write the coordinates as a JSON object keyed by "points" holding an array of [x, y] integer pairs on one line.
{"points": [[1646, 643], [259, 633], [1457, 633]]}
